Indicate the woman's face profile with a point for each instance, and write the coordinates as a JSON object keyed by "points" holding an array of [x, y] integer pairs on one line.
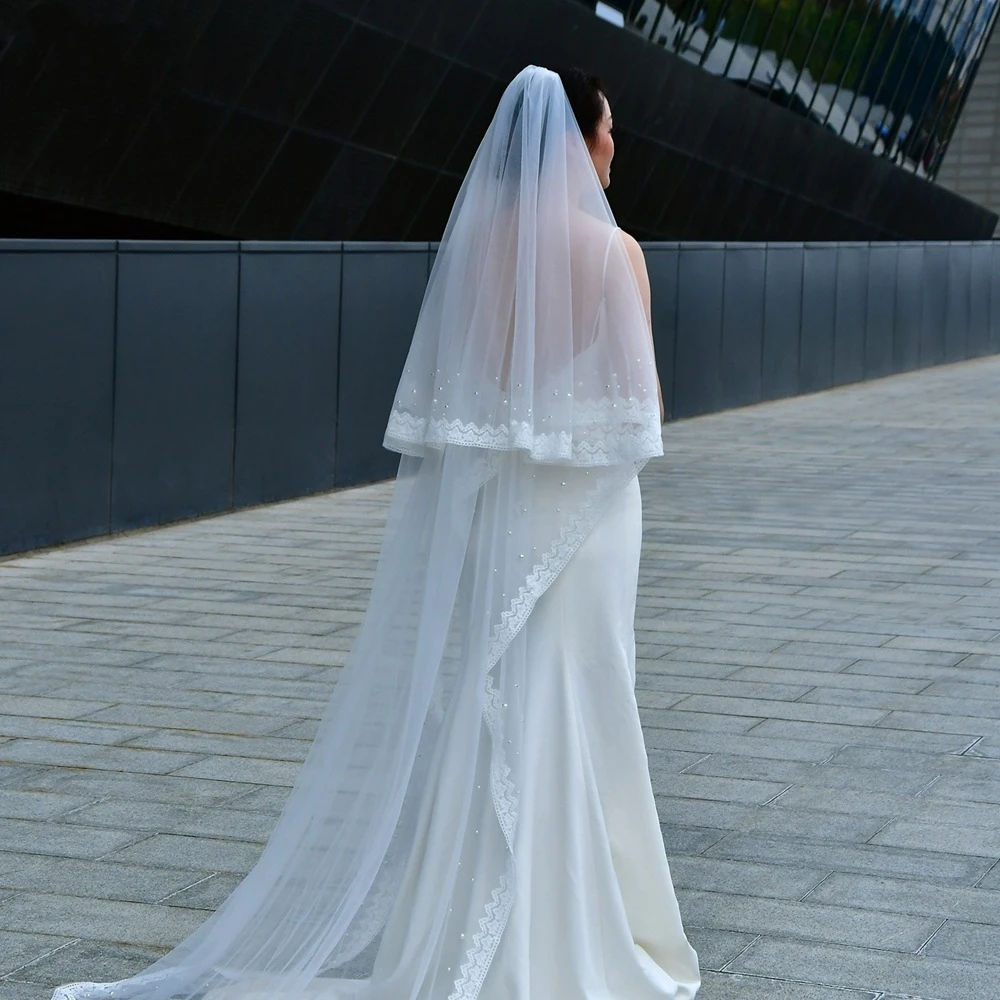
{"points": [[602, 146]]}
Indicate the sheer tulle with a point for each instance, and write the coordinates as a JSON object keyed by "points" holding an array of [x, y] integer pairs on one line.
{"points": [[528, 405]]}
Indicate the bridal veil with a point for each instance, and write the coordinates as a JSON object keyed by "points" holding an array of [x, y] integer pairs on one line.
{"points": [[528, 401]]}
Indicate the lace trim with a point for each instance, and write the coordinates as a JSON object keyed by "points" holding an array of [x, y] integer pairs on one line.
{"points": [[108, 991], [485, 942], [362, 932], [605, 433], [552, 564], [502, 787], [504, 792]]}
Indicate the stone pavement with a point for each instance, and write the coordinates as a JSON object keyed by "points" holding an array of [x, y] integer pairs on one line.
{"points": [[819, 628]]}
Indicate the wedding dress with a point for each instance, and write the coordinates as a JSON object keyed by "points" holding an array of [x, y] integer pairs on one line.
{"points": [[474, 820]]}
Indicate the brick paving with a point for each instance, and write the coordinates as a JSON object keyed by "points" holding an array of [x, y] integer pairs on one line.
{"points": [[819, 633]]}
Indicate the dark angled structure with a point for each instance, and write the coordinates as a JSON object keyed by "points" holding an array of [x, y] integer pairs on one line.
{"points": [[356, 119]]}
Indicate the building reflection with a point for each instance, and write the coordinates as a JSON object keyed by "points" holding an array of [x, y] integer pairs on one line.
{"points": [[889, 76]]}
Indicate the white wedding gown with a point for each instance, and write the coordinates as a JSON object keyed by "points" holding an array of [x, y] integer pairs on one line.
{"points": [[594, 915]]}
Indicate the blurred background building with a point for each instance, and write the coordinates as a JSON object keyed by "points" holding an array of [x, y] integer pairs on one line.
{"points": [[356, 119], [889, 76], [971, 164]]}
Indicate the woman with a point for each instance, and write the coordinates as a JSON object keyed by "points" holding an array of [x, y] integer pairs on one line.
{"points": [[475, 820]]}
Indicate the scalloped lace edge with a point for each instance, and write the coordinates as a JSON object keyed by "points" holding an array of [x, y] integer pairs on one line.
{"points": [[596, 440], [492, 924]]}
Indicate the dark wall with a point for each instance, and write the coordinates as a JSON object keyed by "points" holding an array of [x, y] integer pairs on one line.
{"points": [[142, 383], [356, 119]]}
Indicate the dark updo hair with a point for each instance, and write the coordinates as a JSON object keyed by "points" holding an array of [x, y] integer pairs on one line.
{"points": [[586, 97]]}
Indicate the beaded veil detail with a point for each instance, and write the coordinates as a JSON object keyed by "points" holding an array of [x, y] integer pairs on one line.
{"points": [[528, 402]]}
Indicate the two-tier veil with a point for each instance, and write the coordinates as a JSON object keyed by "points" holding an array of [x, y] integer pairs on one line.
{"points": [[529, 399]]}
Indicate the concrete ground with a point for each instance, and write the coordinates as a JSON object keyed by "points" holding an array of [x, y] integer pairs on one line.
{"points": [[819, 628]]}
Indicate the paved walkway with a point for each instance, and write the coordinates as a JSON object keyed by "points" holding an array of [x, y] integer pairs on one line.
{"points": [[819, 629]]}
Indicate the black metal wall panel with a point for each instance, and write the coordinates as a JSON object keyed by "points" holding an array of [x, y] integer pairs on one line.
{"points": [[909, 307], [743, 324], [175, 372], [851, 314], [383, 286], [979, 300], [819, 307], [782, 321], [286, 402], [700, 278], [934, 304], [57, 309], [662, 264], [880, 309], [958, 315], [295, 350]]}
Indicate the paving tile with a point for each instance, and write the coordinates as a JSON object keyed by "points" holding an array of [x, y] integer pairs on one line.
{"points": [[100, 757], [61, 839], [829, 680], [164, 817], [17, 804], [748, 744], [945, 838], [265, 799], [716, 948], [966, 941], [681, 840], [219, 744], [18, 949], [788, 919], [870, 736], [237, 769], [161, 717], [798, 711], [859, 968], [97, 879], [810, 775], [87, 961], [910, 895], [703, 722], [697, 786], [208, 893], [49, 708], [131, 786], [895, 760], [19, 726], [13, 990], [730, 986], [946, 868], [991, 880], [99, 919], [749, 878], [190, 854]]}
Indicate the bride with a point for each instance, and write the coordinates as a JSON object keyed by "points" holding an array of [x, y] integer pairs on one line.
{"points": [[475, 817]]}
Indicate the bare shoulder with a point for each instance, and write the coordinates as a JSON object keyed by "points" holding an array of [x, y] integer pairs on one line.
{"points": [[634, 251], [636, 257], [631, 242]]}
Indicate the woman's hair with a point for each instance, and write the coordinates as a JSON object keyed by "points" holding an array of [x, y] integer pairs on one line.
{"points": [[586, 97]]}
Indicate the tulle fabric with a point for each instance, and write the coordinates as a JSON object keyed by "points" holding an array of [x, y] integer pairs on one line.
{"points": [[532, 335], [528, 404]]}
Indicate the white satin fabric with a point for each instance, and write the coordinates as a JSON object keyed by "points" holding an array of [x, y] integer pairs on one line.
{"points": [[594, 916]]}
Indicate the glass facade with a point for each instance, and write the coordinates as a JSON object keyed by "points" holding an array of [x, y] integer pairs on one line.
{"points": [[889, 76]]}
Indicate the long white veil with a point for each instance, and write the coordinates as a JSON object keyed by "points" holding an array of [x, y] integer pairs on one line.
{"points": [[528, 400]]}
